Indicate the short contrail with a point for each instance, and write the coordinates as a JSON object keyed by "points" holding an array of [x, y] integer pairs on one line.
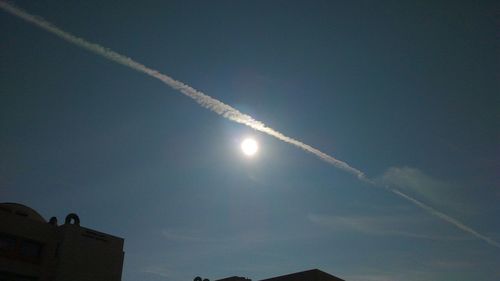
{"points": [[445, 217], [222, 109]]}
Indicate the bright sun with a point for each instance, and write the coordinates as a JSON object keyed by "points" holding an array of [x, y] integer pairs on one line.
{"points": [[249, 146]]}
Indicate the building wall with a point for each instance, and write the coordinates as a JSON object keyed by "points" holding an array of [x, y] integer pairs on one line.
{"points": [[33, 249], [26, 231], [88, 255]]}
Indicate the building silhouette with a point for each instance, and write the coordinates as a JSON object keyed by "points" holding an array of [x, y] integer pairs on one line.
{"points": [[308, 275], [235, 278], [32, 249]]}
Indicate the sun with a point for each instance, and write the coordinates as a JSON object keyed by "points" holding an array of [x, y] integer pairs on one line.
{"points": [[249, 146]]}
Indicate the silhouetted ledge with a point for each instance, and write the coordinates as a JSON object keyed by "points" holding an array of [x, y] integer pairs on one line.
{"points": [[308, 275], [21, 210]]}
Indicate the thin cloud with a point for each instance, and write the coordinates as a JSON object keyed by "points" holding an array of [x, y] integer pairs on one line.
{"points": [[221, 108], [250, 237], [159, 270], [380, 225], [452, 264], [373, 277], [409, 275], [420, 185]]}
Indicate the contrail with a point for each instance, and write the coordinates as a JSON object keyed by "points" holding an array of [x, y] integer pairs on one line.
{"points": [[204, 100], [223, 109], [445, 217]]}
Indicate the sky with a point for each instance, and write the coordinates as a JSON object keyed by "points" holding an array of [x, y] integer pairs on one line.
{"points": [[403, 91]]}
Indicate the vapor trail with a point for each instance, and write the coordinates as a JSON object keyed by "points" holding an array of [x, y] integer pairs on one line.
{"points": [[204, 100], [445, 217], [222, 109]]}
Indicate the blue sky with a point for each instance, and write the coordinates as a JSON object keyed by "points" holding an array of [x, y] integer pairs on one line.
{"points": [[403, 91]]}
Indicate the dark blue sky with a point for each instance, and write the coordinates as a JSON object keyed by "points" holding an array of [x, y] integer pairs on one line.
{"points": [[406, 92]]}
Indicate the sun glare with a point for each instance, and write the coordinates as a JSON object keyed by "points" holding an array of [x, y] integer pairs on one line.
{"points": [[249, 146]]}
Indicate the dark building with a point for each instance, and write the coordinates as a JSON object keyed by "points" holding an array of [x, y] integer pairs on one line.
{"points": [[32, 249], [308, 275], [234, 278]]}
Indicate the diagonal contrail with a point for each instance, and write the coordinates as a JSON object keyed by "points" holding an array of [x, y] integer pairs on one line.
{"points": [[204, 100], [223, 109], [445, 217]]}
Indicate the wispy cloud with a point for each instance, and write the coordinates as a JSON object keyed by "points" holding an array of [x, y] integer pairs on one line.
{"points": [[160, 270], [409, 275], [223, 109], [184, 235], [421, 270], [242, 238], [417, 183], [452, 264], [382, 225], [372, 278]]}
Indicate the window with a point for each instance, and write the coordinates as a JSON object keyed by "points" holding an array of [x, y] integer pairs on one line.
{"points": [[31, 249], [17, 248], [7, 244]]}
